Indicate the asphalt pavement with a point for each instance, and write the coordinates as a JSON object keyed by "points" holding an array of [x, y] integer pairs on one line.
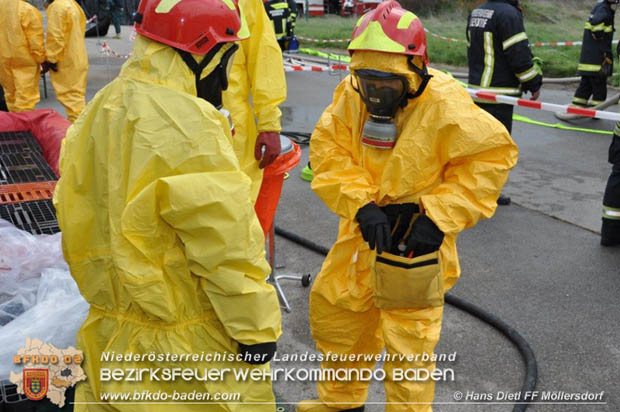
{"points": [[537, 264]]}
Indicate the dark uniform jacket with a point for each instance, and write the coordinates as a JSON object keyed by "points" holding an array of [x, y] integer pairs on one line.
{"points": [[500, 60], [597, 37], [283, 14]]}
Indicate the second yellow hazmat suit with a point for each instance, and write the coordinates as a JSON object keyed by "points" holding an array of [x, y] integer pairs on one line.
{"points": [[161, 237], [21, 53], [66, 26], [257, 76], [452, 159]]}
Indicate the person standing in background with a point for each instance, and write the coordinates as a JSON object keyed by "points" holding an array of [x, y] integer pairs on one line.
{"points": [[116, 11], [22, 52], [66, 53], [596, 60], [500, 60], [257, 76]]}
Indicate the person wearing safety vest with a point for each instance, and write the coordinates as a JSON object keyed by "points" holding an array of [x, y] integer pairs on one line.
{"points": [[408, 161], [158, 227], [283, 14], [596, 60], [500, 60], [22, 53]]}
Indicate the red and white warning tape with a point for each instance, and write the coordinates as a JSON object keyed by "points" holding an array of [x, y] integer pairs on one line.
{"points": [[106, 50], [297, 68], [92, 19], [547, 107], [439, 36]]}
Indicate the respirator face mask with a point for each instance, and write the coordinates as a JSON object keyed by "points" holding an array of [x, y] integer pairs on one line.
{"points": [[383, 94]]}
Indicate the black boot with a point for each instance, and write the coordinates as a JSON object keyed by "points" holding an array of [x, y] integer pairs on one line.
{"points": [[503, 200]]}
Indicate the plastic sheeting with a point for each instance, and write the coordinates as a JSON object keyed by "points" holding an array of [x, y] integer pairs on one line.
{"points": [[38, 297], [46, 125]]}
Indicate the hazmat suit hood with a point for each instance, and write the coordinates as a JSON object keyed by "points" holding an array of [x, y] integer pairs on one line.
{"points": [[160, 64]]}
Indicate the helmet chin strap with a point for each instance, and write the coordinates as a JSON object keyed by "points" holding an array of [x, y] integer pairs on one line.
{"points": [[423, 73]]}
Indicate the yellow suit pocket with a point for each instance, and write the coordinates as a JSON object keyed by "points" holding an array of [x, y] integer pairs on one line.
{"points": [[403, 283]]}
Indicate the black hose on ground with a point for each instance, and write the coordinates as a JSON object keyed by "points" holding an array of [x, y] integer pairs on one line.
{"points": [[529, 359]]}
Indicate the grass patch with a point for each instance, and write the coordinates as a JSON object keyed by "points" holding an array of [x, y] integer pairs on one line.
{"points": [[545, 21]]}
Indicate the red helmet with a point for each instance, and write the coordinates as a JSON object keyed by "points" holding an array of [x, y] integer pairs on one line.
{"points": [[391, 29], [194, 26]]}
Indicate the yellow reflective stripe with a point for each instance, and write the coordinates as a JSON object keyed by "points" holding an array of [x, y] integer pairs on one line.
{"points": [[514, 39], [278, 6], [599, 27], [579, 100], [611, 213], [497, 90], [165, 6], [595, 102], [230, 4], [373, 38], [489, 60], [244, 31], [617, 129], [589, 67], [405, 20], [527, 75]]}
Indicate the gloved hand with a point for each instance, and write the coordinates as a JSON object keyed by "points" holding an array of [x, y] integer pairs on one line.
{"points": [[271, 142], [375, 227], [45, 67], [607, 66], [264, 351], [53, 66], [425, 237], [399, 215]]}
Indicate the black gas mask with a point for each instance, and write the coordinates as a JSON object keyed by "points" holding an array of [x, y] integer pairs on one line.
{"points": [[211, 87], [383, 94]]}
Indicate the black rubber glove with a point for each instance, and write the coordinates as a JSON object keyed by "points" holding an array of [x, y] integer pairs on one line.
{"points": [[399, 215], [53, 66], [425, 237], [265, 350], [375, 227]]}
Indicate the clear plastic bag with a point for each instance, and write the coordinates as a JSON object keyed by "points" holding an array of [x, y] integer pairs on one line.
{"points": [[38, 297]]}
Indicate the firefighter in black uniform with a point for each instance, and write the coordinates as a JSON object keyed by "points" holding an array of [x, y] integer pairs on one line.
{"points": [[500, 60], [596, 61], [610, 232], [283, 14]]}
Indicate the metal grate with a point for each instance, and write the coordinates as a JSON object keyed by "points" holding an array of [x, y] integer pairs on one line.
{"points": [[37, 217], [18, 142], [24, 168]]}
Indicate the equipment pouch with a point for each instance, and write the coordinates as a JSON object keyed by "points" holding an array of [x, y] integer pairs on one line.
{"points": [[404, 283]]}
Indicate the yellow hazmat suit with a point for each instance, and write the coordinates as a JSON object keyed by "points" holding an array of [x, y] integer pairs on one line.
{"points": [[452, 159], [21, 53], [66, 26], [161, 236], [257, 75]]}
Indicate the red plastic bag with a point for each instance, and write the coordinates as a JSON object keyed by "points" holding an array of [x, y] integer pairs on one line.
{"points": [[46, 125]]}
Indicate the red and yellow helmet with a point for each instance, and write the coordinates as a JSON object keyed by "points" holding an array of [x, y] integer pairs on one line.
{"points": [[194, 26], [391, 29]]}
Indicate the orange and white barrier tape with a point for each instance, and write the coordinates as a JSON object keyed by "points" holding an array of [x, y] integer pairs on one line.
{"points": [[297, 68], [106, 50], [547, 107]]}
